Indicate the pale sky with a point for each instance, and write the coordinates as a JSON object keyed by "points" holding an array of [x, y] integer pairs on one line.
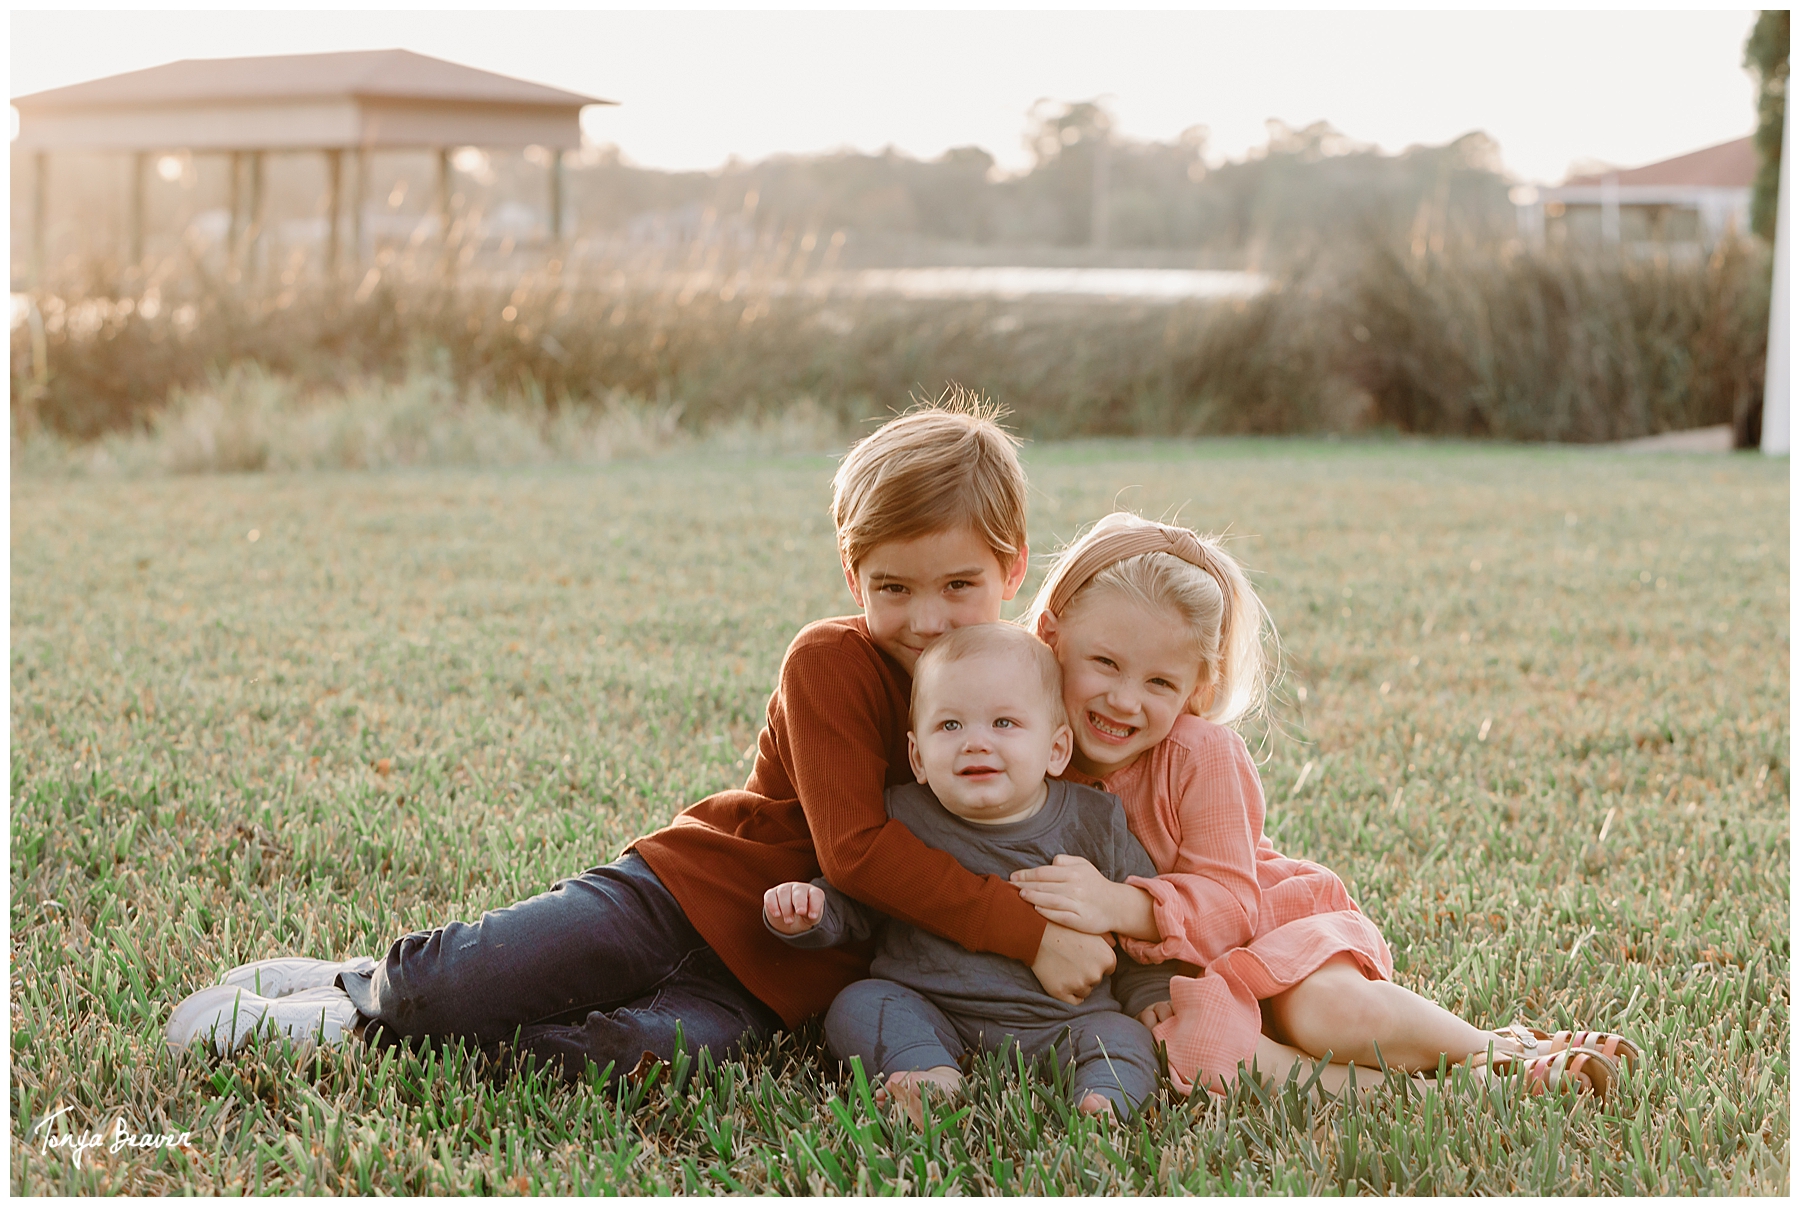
{"points": [[698, 87]]}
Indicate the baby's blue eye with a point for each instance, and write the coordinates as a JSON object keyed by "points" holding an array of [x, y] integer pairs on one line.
{"points": [[952, 725]]}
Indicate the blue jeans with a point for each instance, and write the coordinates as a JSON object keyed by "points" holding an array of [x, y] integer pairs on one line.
{"points": [[600, 968]]}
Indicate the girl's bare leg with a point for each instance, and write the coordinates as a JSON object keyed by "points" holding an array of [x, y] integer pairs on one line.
{"points": [[1338, 1010], [1274, 1061]]}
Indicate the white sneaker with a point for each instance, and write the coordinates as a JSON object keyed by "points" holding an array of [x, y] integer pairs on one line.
{"points": [[283, 975], [226, 1017]]}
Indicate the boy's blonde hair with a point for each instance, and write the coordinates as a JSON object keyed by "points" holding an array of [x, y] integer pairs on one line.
{"points": [[999, 637], [1163, 566], [937, 467]]}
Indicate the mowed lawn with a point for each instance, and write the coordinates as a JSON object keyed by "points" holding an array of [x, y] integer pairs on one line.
{"points": [[1542, 695]]}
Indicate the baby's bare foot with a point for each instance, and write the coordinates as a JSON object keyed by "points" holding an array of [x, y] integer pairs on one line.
{"points": [[1096, 1104], [907, 1089]]}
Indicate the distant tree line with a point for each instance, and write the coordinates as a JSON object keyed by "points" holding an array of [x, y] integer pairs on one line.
{"points": [[1086, 187]]}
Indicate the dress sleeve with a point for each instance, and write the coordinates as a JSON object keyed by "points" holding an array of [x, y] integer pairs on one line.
{"points": [[1209, 901], [834, 727]]}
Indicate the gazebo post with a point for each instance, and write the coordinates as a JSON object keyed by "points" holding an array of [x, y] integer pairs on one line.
{"points": [[235, 204], [358, 199], [140, 161], [40, 217], [253, 237], [556, 194], [334, 172], [441, 206]]}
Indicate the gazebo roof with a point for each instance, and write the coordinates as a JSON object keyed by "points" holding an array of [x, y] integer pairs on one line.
{"points": [[393, 74], [366, 98]]}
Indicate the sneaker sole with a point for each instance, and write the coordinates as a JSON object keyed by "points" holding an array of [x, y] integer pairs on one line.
{"points": [[225, 1018], [222, 1018], [285, 975]]}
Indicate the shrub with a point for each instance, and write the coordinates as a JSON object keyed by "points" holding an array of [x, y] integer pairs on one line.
{"points": [[1509, 343]]}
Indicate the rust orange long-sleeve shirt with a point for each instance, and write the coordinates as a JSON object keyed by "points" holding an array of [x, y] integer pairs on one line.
{"points": [[834, 741]]}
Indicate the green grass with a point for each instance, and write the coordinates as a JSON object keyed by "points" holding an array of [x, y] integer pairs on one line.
{"points": [[1545, 701]]}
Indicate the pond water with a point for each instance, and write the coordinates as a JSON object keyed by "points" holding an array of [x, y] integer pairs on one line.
{"points": [[1148, 284]]}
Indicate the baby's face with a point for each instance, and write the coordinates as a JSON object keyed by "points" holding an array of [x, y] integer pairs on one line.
{"points": [[984, 737]]}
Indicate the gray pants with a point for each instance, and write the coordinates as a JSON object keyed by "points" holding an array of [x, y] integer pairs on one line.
{"points": [[895, 1029]]}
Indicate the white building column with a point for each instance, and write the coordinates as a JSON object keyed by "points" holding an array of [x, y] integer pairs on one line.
{"points": [[1609, 208], [1775, 417]]}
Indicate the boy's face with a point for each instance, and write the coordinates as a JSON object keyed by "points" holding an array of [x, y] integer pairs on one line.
{"points": [[912, 592], [984, 737]]}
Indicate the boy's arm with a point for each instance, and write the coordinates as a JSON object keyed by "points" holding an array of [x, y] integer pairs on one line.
{"points": [[838, 760], [842, 921]]}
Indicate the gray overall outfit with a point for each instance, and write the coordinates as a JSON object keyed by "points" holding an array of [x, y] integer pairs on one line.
{"points": [[928, 1000]]}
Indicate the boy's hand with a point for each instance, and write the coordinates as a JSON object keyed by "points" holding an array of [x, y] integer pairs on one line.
{"points": [[1151, 1015], [795, 907], [1069, 964]]}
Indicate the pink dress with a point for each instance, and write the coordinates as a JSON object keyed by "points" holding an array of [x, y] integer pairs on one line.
{"points": [[1256, 921]]}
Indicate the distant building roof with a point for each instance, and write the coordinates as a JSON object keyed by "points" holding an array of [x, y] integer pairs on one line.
{"points": [[390, 74], [358, 98], [1730, 165]]}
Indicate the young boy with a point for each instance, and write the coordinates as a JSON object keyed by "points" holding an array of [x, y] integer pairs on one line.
{"points": [[988, 727], [603, 967]]}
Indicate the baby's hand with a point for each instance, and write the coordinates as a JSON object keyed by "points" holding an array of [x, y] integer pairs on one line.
{"points": [[795, 907], [1151, 1015]]}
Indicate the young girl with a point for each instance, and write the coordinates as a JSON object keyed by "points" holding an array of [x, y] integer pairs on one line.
{"points": [[1160, 639]]}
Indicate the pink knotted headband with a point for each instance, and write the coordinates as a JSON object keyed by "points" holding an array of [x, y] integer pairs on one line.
{"points": [[1132, 541]]}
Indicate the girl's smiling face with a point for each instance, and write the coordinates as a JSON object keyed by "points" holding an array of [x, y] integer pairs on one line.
{"points": [[1128, 672]]}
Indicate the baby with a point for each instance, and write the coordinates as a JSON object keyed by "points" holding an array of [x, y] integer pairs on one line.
{"points": [[987, 728]]}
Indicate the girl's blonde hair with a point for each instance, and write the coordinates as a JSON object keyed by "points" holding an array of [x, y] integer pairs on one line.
{"points": [[1163, 566]]}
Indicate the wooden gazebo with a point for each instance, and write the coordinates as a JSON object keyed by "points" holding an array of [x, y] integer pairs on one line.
{"points": [[352, 101]]}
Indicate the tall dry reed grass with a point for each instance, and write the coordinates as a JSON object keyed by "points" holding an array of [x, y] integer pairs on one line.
{"points": [[1568, 347], [402, 366], [247, 419]]}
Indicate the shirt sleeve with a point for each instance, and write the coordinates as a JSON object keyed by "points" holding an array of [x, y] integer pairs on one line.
{"points": [[1209, 902], [839, 767], [843, 920]]}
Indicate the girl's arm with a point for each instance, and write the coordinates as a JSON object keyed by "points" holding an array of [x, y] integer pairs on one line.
{"points": [[1072, 892], [1208, 902]]}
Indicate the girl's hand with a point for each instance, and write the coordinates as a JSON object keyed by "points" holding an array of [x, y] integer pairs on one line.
{"points": [[1071, 892], [795, 907], [1151, 1015]]}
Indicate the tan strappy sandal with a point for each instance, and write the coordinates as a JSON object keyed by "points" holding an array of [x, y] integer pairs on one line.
{"points": [[1570, 1069], [1545, 1043]]}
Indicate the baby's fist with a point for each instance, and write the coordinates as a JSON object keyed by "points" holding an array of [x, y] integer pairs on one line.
{"points": [[1152, 1015], [795, 907]]}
